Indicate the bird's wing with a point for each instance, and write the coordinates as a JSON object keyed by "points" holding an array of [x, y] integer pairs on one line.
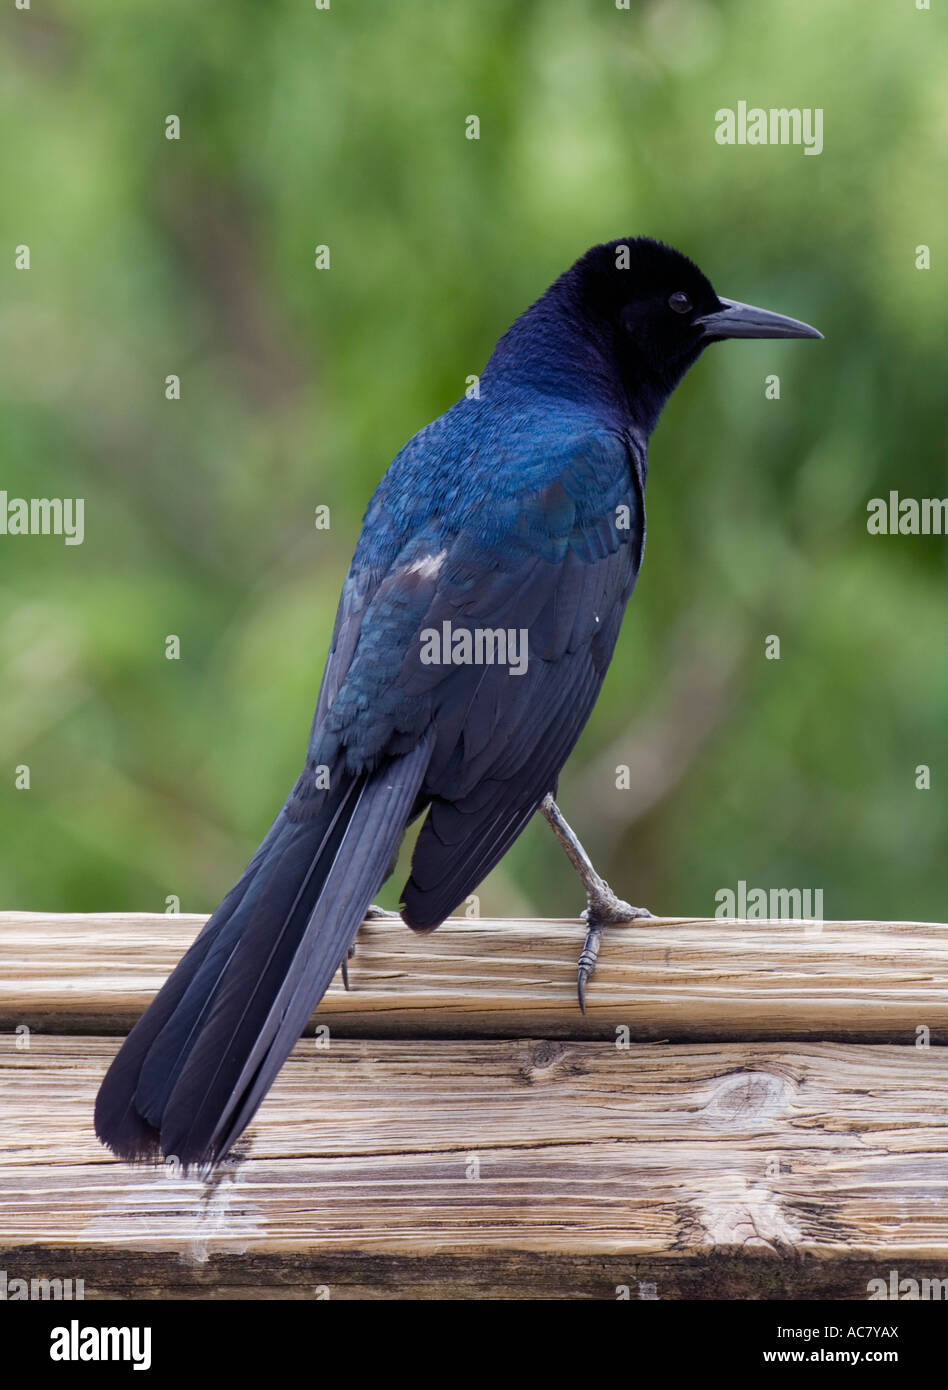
{"points": [[554, 553], [556, 562]]}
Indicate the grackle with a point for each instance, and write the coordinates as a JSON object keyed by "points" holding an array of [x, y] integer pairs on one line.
{"points": [[514, 523]]}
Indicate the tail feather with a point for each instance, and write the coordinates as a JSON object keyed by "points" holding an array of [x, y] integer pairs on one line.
{"points": [[357, 870], [252, 954], [193, 1071], [117, 1121]]}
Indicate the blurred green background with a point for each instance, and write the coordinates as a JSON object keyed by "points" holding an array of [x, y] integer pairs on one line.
{"points": [[346, 127]]}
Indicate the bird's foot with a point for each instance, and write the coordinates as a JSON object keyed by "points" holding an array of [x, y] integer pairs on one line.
{"points": [[345, 966], [603, 909], [602, 905], [372, 914]]}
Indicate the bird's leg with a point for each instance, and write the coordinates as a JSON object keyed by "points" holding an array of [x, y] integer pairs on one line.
{"points": [[602, 905], [372, 914]]}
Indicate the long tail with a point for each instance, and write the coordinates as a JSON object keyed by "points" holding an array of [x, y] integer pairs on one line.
{"points": [[192, 1072]]}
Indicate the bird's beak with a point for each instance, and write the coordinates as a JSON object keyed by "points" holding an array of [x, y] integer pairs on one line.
{"points": [[735, 320]]}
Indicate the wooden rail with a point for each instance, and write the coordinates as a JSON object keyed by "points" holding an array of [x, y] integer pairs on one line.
{"points": [[748, 1110], [670, 978]]}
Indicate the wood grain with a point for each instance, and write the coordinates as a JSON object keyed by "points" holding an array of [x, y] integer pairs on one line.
{"points": [[675, 979], [735, 1170]]}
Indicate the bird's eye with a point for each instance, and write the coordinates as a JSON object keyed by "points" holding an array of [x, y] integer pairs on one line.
{"points": [[679, 302]]}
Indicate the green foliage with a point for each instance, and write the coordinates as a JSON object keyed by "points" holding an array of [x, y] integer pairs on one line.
{"points": [[346, 127]]}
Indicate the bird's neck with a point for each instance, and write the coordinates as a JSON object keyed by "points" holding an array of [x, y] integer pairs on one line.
{"points": [[556, 351]]}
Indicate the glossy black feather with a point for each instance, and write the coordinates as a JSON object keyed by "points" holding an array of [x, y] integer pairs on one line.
{"points": [[522, 508]]}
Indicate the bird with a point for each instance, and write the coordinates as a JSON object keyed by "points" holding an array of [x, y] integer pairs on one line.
{"points": [[473, 633]]}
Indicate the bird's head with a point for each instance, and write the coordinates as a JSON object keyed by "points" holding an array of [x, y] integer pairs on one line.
{"points": [[658, 311]]}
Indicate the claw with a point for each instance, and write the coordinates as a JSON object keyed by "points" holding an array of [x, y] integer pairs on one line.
{"points": [[605, 909], [602, 905], [581, 979], [344, 967], [587, 962], [372, 914]]}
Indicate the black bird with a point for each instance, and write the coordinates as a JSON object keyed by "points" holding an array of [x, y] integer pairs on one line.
{"points": [[475, 626]]}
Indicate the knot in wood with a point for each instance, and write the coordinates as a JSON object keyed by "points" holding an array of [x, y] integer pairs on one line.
{"points": [[748, 1097]]}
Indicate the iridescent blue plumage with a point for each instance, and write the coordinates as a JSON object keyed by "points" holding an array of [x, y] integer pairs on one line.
{"points": [[519, 511]]}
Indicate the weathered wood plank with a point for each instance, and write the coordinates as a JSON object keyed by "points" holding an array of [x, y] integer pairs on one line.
{"points": [[726, 1170], [677, 979]]}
